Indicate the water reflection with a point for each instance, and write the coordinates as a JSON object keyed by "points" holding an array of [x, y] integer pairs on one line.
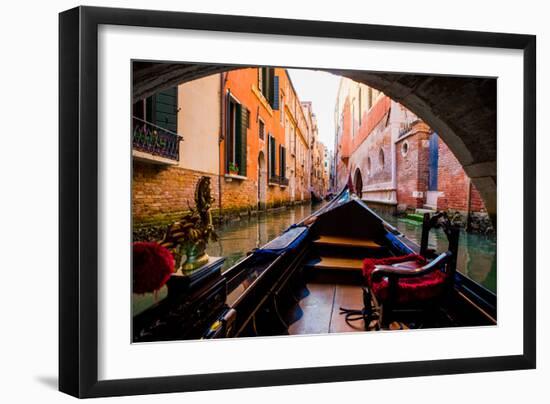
{"points": [[476, 252], [236, 238], [476, 256]]}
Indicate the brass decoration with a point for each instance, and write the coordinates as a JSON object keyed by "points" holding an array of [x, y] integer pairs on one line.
{"points": [[189, 236]]}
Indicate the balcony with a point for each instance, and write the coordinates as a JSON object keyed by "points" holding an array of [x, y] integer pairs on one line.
{"points": [[155, 143]]}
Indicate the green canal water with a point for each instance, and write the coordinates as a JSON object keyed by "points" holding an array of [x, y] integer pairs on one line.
{"points": [[477, 258], [476, 255]]}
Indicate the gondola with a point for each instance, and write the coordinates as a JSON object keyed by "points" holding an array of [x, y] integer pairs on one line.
{"points": [[316, 198], [341, 269]]}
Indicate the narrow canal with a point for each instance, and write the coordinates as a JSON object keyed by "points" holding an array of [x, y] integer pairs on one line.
{"points": [[477, 253]]}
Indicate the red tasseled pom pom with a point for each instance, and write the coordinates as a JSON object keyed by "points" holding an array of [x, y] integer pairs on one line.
{"points": [[152, 266]]}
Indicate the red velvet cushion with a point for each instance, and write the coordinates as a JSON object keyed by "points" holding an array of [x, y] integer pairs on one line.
{"points": [[152, 266], [409, 290]]}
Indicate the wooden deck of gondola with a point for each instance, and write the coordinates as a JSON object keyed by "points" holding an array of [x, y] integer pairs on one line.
{"points": [[340, 270], [298, 290], [343, 242], [318, 311]]}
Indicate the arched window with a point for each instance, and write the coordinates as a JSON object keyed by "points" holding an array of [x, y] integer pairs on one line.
{"points": [[381, 158], [369, 166], [358, 182]]}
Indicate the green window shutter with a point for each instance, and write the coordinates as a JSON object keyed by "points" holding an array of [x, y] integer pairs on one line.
{"points": [[275, 95], [227, 132], [241, 138], [274, 153], [270, 90], [265, 81], [283, 159], [272, 156], [165, 109], [270, 86], [268, 156], [149, 108]]}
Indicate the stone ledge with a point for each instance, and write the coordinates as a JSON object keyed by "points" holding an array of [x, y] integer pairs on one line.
{"points": [[231, 177], [382, 202], [145, 157]]}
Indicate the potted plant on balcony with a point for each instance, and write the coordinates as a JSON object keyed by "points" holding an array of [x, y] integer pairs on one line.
{"points": [[233, 168]]}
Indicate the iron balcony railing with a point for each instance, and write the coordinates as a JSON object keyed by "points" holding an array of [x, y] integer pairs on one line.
{"points": [[153, 139]]}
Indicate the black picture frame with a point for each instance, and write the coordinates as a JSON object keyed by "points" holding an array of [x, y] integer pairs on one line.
{"points": [[78, 196]]}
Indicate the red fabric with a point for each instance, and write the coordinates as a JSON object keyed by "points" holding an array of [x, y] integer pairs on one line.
{"points": [[152, 266], [409, 290]]}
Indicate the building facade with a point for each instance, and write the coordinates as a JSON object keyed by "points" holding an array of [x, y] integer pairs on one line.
{"points": [[246, 129], [315, 155], [393, 158]]}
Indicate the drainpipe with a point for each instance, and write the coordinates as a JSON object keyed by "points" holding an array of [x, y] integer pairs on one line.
{"points": [[223, 78]]}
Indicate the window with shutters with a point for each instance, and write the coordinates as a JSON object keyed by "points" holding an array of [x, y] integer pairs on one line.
{"points": [[282, 161], [155, 125], [160, 109], [237, 117], [268, 84], [272, 150]]}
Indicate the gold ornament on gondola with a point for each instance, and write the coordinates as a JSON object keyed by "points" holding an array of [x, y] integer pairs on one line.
{"points": [[189, 236]]}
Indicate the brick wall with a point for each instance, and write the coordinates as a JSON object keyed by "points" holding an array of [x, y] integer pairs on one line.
{"points": [[379, 140], [239, 195], [242, 196], [453, 184], [371, 119], [162, 193], [412, 168]]}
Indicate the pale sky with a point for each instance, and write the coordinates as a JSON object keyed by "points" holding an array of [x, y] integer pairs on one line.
{"points": [[320, 88]]}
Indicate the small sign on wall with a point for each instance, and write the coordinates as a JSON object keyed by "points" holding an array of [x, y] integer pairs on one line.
{"points": [[418, 194]]}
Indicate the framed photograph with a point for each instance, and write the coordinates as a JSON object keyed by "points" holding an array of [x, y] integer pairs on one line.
{"points": [[251, 201]]}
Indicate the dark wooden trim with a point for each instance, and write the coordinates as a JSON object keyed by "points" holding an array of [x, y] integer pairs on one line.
{"points": [[69, 45], [307, 28], [330, 374], [78, 208], [529, 201]]}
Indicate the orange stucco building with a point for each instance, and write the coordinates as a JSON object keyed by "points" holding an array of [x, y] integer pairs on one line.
{"points": [[246, 129]]}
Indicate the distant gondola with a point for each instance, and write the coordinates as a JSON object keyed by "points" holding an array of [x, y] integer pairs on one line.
{"points": [[315, 198], [342, 269]]}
